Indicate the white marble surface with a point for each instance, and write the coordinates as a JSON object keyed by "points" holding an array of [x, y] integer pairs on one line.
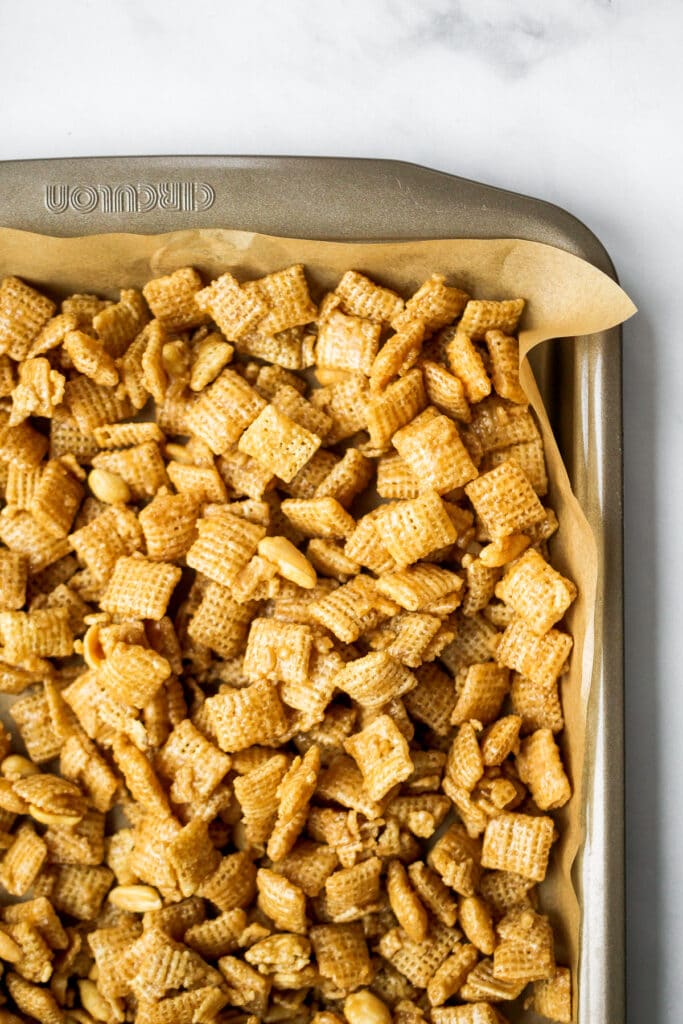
{"points": [[578, 104]]}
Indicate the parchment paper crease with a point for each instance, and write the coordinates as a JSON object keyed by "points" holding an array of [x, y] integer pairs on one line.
{"points": [[566, 297]]}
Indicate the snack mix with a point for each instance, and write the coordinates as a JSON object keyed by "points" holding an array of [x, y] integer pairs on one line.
{"points": [[283, 645]]}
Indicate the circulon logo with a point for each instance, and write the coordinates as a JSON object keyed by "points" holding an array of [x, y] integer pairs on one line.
{"points": [[142, 197]]}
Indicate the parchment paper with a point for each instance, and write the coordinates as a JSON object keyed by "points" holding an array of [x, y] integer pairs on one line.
{"points": [[566, 297]]}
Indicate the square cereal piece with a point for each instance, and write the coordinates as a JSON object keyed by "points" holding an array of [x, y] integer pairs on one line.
{"points": [[529, 456], [294, 795], [79, 889], [480, 582], [257, 793], [141, 467], [433, 699], [191, 763], [464, 360], [234, 308], [538, 593], [67, 439], [23, 313], [232, 884], [280, 651], [88, 356], [540, 767], [319, 517], [395, 478], [225, 545], [431, 446], [308, 865], [445, 391], [346, 402], [552, 997], [362, 297], [306, 482], [278, 443], [347, 478], [407, 637], [280, 900], [133, 675], [109, 536], [353, 890], [245, 475], [537, 704], [505, 501], [397, 355], [22, 483], [247, 988], [118, 324], [314, 692], [418, 961], [342, 783], [21, 533], [328, 559], [81, 762], [219, 935], [452, 973], [140, 588], [457, 858], [397, 405], [285, 349], [23, 861], [34, 722], [435, 303], [172, 299], [475, 641], [20, 444], [417, 586], [504, 357], [480, 693], [192, 856], [39, 391], [498, 424], [287, 297], [14, 574], [56, 499], [77, 844], [290, 401], [541, 658], [525, 948], [341, 952], [123, 435], [347, 342], [518, 843], [220, 622], [223, 411], [92, 405], [484, 315], [204, 483], [381, 752], [163, 965], [270, 379], [376, 679], [169, 526], [415, 528], [243, 717], [43, 633], [433, 893], [366, 544]]}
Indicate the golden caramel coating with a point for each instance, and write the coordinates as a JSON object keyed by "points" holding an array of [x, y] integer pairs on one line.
{"points": [[301, 738]]}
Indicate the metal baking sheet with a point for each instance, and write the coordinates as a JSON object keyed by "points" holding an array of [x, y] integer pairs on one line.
{"points": [[372, 200]]}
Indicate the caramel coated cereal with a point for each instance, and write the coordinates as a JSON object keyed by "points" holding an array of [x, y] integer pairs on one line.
{"points": [[292, 752]]}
